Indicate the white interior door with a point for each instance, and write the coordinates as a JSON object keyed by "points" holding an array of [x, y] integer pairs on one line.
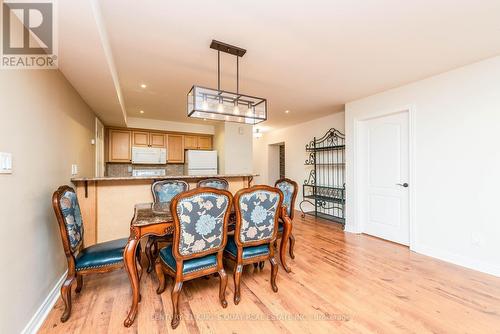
{"points": [[385, 177]]}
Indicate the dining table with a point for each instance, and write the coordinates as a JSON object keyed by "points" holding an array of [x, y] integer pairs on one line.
{"points": [[155, 219]]}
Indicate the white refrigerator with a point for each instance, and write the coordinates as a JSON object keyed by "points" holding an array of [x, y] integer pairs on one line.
{"points": [[198, 162]]}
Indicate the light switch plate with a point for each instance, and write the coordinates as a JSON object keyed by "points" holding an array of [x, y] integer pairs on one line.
{"points": [[74, 169], [5, 163]]}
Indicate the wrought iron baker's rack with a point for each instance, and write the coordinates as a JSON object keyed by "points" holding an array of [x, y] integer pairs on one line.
{"points": [[325, 187]]}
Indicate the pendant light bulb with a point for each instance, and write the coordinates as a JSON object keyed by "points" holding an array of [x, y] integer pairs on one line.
{"points": [[204, 104], [220, 108]]}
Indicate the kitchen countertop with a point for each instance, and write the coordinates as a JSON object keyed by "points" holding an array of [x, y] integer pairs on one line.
{"points": [[164, 177]]}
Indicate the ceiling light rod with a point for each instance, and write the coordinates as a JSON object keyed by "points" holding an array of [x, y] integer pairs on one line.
{"points": [[233, 50]]}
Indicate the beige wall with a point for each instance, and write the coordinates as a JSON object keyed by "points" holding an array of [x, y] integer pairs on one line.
{"points": [[233, 142], [47, 127], [295, 138]]}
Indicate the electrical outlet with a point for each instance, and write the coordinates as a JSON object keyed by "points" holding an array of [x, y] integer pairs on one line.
{"points": [[5, 163], [74, 169]]}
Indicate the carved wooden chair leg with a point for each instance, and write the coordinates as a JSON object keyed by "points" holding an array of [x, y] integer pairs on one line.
{"points": [[149, 254], [261, 264], [274, 273], [176, 291], [161, 278], [66, 297], [237, 278], [222, 287], [79, 283], [292, 246]]}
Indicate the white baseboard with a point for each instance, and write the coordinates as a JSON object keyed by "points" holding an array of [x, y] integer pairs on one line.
{"points": [[43, 311], [459, 260]]}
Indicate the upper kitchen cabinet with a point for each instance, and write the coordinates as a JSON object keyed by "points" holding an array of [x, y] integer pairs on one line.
{"points": [[148, 139], [193, 142], [120, 145], [175, 148], [204, 142], [158, 140], [140, 139]]}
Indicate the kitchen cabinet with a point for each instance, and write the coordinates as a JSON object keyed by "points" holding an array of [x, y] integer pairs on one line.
{"points": [[192, 142], [204, 142], [140, 139], [148, 139], [175, 149], [119, 145], [158, 140], [120, 142]]}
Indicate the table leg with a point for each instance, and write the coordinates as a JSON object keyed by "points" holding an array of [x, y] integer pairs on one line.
{"points": [[129, 257], [287, 230]]}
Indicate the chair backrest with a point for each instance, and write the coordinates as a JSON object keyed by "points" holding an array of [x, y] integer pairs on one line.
{"points": [[163, 191], [214, 182], [257, 210], [200, 219], [289, 189], [69, 217]]}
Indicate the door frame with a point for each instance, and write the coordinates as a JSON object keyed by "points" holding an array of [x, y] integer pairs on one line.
{"points": [[357, 204], [99, 150]]}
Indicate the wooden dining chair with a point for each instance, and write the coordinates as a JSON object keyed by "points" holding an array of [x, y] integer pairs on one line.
{"points": [[163, 192], [99, 258], [214, 182], [255, 232], [289, 188], [200, 219]]}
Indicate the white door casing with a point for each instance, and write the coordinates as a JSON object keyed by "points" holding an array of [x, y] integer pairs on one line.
{"points": [[385, 171], [99, 148]]}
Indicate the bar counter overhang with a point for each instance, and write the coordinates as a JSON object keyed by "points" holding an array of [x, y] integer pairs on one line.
{"points": [[107, 203]]}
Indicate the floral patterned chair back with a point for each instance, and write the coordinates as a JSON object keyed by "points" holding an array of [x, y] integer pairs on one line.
{"points": [[200, 218], [164, 191], [289, 188], [69, 217], [257, 211], [214, 183]]}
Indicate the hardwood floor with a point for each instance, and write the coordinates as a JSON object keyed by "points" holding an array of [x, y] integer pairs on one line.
{"points": [[343, 283]]}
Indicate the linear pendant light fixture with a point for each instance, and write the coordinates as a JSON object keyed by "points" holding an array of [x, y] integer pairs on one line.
{"points": [[220, 105]]}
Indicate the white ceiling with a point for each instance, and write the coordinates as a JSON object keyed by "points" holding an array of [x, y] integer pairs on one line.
{"points": [[309, 57]]}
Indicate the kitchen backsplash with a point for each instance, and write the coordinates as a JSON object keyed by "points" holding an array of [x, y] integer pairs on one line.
{"points": [[119, 170]]}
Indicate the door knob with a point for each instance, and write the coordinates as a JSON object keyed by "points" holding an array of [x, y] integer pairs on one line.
{"points": [[405, 185]]}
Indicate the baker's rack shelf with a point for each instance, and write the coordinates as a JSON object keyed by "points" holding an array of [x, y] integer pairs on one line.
{"points": [[324, 190]]}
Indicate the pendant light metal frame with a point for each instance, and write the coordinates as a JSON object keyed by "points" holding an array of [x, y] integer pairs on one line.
{"points": [[198, 97]]}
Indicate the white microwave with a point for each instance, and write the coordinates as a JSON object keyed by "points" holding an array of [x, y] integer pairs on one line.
{"points": [[149, 155]]}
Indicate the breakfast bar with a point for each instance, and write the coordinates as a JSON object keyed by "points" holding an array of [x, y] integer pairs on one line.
{"points": [[106, 202]]}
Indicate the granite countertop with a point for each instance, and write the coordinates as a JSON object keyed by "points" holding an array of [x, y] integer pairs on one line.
{"points": [[165, 177]]}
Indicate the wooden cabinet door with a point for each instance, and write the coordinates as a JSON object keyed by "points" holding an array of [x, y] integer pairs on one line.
{"points": [[158, 140], [204, 142], [175, 148], [190, 142], [120, 142], [140, 139]]}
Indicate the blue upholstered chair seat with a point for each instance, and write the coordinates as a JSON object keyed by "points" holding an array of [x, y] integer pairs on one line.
{"points": [[280, 228], [248, 252], [191, 265], [101, 255]]}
